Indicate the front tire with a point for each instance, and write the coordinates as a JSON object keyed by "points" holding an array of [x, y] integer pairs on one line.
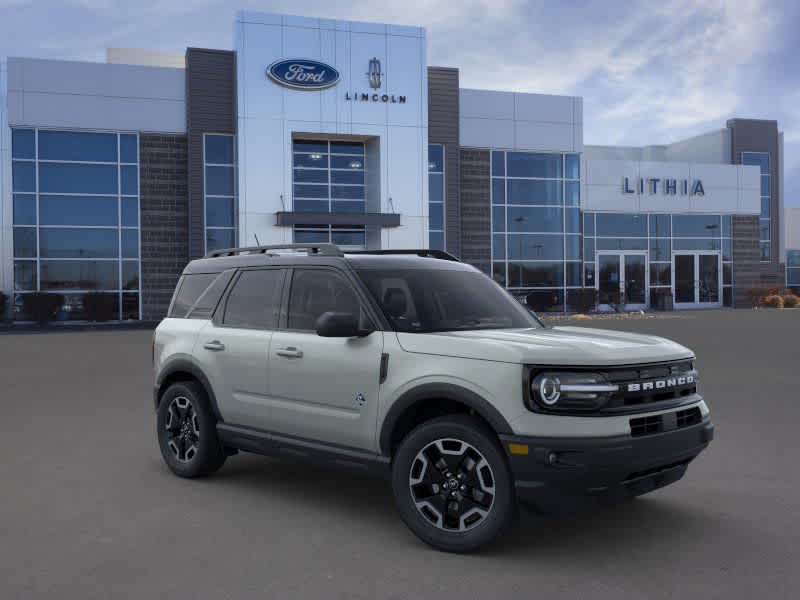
{"points": [[452, 484], [187, 431]]}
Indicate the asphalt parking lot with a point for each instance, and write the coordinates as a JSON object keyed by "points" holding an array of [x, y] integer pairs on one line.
{"points": [[88, 510]]}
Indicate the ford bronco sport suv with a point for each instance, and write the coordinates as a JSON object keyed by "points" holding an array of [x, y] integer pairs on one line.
{"points": [[417, 366]]}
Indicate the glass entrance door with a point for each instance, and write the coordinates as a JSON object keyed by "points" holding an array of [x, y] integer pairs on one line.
{"points": [[697, 279], [622, 279]]}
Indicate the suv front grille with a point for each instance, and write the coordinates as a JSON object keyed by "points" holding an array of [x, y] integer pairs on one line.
{"points": [[666, 422], [650, 384]]}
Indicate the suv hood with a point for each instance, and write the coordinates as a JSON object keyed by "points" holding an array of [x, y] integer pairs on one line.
{"points": [[576, 346]]}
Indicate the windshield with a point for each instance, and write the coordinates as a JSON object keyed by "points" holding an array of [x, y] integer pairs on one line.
{"points": [[431, 300]]}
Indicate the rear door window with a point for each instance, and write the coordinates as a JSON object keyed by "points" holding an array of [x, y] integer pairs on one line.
{"points": [[254, 300]]}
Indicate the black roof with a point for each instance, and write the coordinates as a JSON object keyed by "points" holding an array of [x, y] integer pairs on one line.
{"points": [[324, 254]]}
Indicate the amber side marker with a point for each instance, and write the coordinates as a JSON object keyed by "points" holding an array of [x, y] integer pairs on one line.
{"points": [[518, 448]]}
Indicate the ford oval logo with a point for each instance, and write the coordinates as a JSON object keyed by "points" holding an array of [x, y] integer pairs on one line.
{"points": [[303, 74]]}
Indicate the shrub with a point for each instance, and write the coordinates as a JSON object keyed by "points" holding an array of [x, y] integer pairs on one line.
{"points": [[773, 301], [99, 306], [758, 295], [790, 301], [41, 306]]}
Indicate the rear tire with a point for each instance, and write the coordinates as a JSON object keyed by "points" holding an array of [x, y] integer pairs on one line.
{"points": [[452, 484], [187, 431]]}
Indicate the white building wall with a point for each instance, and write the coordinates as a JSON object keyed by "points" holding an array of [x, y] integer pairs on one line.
{"points": [[519, 121], [82, 95], [6, 205], [269, 115], [145, 58], [713, 147], [729, 189]]}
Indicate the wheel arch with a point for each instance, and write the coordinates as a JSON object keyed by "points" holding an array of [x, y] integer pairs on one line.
{"points": [[435, 399], [184, 370]]}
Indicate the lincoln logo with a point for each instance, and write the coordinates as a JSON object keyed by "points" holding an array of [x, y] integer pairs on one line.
{"points": [[301, 74], [661, 384], [374, 74]]}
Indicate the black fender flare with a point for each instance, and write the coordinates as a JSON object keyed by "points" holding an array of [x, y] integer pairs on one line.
{"points": [[435, 391], [181, 365]]}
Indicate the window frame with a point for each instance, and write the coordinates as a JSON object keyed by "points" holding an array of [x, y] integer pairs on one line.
{"points": [[218, 315], [234, 197]]}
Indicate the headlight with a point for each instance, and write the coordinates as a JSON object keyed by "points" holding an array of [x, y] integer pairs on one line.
{"points": [[571, 391]]}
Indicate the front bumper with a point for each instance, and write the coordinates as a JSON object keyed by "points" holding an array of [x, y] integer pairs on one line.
{"points": [[560, 474]]}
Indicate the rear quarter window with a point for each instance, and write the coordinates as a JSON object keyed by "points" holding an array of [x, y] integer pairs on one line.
{"points": [[188, 291]]}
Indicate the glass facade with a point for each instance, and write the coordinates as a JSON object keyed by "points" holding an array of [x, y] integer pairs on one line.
{"points": [[76, 219], [761, 160], [536, 235], [219, 167], [659, 235], [793, 268], [328, 176], [436, 196]]}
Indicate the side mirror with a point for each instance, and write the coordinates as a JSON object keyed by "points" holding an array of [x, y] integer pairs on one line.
{"points": [[336, 324]]}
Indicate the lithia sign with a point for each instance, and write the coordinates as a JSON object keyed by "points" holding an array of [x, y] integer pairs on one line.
{"points": [[667, 186], [306, 74]]}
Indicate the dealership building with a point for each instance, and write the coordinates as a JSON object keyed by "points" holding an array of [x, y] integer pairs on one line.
{"points": [[113, 175]]}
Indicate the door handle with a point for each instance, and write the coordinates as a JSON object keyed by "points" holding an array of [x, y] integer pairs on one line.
{"points": [[215, 346], [289, 352]]}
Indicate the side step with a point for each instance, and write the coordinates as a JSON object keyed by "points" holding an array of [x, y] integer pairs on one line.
{"points": [[273, 444]]}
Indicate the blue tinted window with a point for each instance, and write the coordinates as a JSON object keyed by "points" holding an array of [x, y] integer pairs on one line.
{"points": [[573, 166], [538, 220], [499, 246], [348, 238], [129, 184], [311, 175], [78, 243], [310, 191], [130, 275], [793, 277], [529, 164], [348, 206], [25, 275], [347, 148], [77, 179], [357, 177], [759, 159], [572, 191], [535, 247], [727, 225], [311, 205], [23, 143], [588, 224], [219, 238], [436, 240], [347, 192], [765, 185], [80, 146], [498, 164], [624, 225], [498, 218], [765, 208], [766, 251], [498, 191], [435, 158], [80, 275], [660, 249], [793, 258], [77, 210], [219, 149], [588, 249], [573, 274], [320, 161], [311, 237], [23, 176], [572, 220], [25, 242], [130, 243], [436, 216], [24, 209], [219, 212], [130, 212], [532, 274], [727, 249], [128, 149], [339, 162], [621, 244], [528, 191], [219, 181], [310, 146], [695, 244], [436, 188], [660, 226], [696, 225]]}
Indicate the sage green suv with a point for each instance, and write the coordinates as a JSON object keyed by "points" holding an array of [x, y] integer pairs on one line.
{"points": [[413, 365]]}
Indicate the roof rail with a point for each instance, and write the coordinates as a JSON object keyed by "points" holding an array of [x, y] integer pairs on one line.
{"points": [[311, 249], [423, 252]]}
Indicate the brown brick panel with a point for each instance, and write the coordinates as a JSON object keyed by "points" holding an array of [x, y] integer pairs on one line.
{"points": [[163, 197], [476, 209]]}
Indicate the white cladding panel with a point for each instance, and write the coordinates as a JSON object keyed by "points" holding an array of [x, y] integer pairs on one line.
{"points": [[270, 115], [791, 219], [520, 121], [82, 95], [6, 205], [728, 189]]}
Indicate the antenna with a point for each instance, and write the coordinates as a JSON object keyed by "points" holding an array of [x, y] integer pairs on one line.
{"points": [[255, 235]]}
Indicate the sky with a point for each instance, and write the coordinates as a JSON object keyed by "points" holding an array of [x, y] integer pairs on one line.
{"points": [[649, 72]]}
